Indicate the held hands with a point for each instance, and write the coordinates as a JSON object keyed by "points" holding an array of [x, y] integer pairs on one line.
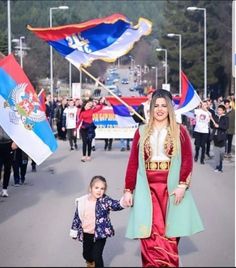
{"points": [[179, 194], [128, 199]]}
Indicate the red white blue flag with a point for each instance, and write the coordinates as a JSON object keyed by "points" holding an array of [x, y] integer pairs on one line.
{"points": [[104, 38], [21, 114], [122, 114], [189, 99]]}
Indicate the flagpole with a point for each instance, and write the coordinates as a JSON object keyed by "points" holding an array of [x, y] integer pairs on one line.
{"points": [[41, 91], [117, 97]]}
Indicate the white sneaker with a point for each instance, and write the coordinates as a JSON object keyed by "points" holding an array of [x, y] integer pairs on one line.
{"points": [[4, 193]]}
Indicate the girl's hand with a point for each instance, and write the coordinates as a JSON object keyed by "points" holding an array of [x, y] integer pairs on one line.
{"points": [[179, 194], [128, 199]]}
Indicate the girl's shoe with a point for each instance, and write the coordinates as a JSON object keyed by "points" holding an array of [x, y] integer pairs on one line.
{"points": [[88, 158]]}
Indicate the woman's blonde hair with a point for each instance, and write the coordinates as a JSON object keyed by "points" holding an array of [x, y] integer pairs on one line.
{"points": [[173, 127]]}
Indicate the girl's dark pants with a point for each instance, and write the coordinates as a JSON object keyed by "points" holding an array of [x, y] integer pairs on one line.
{"points": [[93, 250]]}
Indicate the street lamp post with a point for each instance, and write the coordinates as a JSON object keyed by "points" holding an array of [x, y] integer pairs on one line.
{"points": [[156, 69], [9, 25], [140, 73], [70, 79], [132, 65], [165, 50], [51, 55], [205, 47], [21, 52], [180, 58]]}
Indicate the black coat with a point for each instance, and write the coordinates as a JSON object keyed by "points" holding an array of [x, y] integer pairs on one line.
{"points": [[220, 133]]}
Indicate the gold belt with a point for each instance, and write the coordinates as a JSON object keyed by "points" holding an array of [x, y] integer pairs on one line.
{"points": [[159, 165]]}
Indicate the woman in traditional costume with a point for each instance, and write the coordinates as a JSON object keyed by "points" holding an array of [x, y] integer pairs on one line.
{"points": [[157, 185]]}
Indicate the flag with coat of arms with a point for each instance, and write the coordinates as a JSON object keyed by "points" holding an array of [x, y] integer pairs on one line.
{"points": [[21, 113], [105, 38]]}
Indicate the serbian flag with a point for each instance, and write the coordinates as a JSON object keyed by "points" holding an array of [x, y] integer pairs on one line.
{"points": [[189, 99], [122, 114], [105, 38], [21, 114]]}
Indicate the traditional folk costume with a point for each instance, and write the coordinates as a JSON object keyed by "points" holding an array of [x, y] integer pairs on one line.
{"points": [[153, 172]]}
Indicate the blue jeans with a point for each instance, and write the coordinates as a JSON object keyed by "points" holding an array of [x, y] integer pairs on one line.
{"points": [[122, 143]]}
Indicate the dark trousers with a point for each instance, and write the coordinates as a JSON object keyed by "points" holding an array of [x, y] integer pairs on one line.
{"points": [[71, 137], [60, 133], [208, 144], [228, 144], [6, 156], [87, 143], [108, 143], [19, 164], [93, 250], [33, 164], [200, 142]]}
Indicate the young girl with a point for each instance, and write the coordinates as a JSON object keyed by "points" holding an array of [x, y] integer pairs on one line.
{"points": [[91, 223]]}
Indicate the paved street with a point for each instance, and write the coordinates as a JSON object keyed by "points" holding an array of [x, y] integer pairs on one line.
{"points": [[35, 219]]}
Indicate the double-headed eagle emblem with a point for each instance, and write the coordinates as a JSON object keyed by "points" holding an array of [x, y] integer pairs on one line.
{"points": [[25, 106]]}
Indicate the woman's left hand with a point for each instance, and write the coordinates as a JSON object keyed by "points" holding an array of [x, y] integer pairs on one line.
{"points": [[103, 100], [179, 194]]}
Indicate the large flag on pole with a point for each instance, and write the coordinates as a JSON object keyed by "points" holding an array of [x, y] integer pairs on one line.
{"points": [[104, 38], [21, 114], [189, 99], [122, 114]]}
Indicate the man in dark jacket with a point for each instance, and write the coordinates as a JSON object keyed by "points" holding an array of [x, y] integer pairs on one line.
{"points": [[230, 113], [221, 124]]}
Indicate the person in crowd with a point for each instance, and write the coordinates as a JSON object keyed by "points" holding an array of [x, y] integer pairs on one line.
{"points": [[61, 106], [230, 113], [211, 126], [69, 124], [159, 173], [33, 166], [91, 223], [232, 100], [143, 109], [6, 156], [87, 127], [49, 109], [221, 124], [108, 144], [201, 130], [19, 164], [125, 144]]}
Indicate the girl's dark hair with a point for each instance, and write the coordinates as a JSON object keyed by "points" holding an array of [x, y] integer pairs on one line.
{"points": [[98, 178], [84, 103]]}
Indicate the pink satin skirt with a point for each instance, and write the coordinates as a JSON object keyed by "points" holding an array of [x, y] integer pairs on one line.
{"points": [[158, 250]]}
